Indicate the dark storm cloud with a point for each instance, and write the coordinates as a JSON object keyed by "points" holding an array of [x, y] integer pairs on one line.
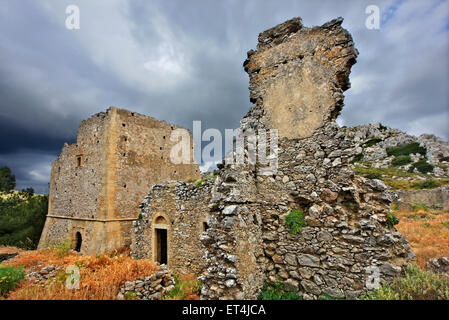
{"points": [[182, 61]]}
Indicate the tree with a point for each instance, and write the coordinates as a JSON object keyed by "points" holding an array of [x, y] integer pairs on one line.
{"points": [[7, 180]]}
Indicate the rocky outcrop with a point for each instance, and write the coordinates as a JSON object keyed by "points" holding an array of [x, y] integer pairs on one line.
{"points": [[153, 287], [43, 274], [440, 266], [373, 141], [346, 244]]}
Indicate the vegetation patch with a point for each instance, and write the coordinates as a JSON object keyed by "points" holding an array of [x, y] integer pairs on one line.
{"points": [[274, 290], [10, 277], [295, 221], [406, 150], [392, 220], [187, 287], [444, 159], [357, 158], [423, 166], [401, 161], [371, 142], [415, 285], [22, 218], [427, 184]]}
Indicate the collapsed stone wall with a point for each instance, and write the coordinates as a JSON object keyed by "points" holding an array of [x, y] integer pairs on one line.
{"points": [[297, 79], [181, 208]]}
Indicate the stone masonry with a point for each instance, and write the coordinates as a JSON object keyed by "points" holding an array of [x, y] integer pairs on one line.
{"points": [[98, 183], [297, 79]]}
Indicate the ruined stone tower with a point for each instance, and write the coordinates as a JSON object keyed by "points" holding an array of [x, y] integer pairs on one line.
{"points": [[98, 183], [346, 244]]}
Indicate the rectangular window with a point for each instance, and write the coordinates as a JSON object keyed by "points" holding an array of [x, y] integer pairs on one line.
{"points": [[79, 161]]}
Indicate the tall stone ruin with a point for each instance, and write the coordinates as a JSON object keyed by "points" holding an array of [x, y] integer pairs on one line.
{"points": [[297, 79]]}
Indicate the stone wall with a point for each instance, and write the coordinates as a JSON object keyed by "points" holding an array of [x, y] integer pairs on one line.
{"points": [[153, 287], [437, 198], [98, 183], [182, 209], [297, 79]]}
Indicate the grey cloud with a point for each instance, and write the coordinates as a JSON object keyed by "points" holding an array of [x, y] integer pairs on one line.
{"points": [[51, 78]]}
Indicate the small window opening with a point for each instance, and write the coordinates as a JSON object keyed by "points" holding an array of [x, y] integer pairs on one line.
{"points": [[205, 226], [124, 124], [79, 241], [79, 161]]}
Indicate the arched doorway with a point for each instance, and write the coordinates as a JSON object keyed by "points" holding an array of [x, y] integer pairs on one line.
{"points": [[79, 241], [160, 240]]}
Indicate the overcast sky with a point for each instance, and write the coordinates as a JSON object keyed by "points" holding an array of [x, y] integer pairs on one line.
{"points": [[182, 61]]}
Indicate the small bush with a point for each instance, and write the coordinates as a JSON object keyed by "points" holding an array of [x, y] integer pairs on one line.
{"points": [[373, 175], [275, 291], [444, 159], [372, 142], [427, 184], [392, 220], [357, 158], [416, 285], [423, 166], [187, 287], [295, 221], [401, 161], [10, 277], [406, 150]]}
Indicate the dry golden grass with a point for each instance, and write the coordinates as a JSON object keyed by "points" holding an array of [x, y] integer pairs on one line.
{"points": [[101, 276], [427, 231]]}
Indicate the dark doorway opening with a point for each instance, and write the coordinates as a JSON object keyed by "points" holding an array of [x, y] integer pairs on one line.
{"points": [[161, 242], [79, 240]]}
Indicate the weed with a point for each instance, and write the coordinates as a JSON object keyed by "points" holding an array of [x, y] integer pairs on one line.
{"points": [[10, 277], [392, 220], [295, 221], [416, 285], [274, 290]]}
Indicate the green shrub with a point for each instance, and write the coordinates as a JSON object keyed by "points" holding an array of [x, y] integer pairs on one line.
{"points": [[427, 184], [373, 175], [401, 161], [295, 221], [22, 218], [371, 142], [382, 127], [10, 277], [444, 159], [445, 224], [423, 166], [415, 285], [407, 149], [392, 220], [357, 158], [274, 290]]}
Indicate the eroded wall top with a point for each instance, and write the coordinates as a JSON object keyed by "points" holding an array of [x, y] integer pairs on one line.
{"points": [[298, 75]]}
